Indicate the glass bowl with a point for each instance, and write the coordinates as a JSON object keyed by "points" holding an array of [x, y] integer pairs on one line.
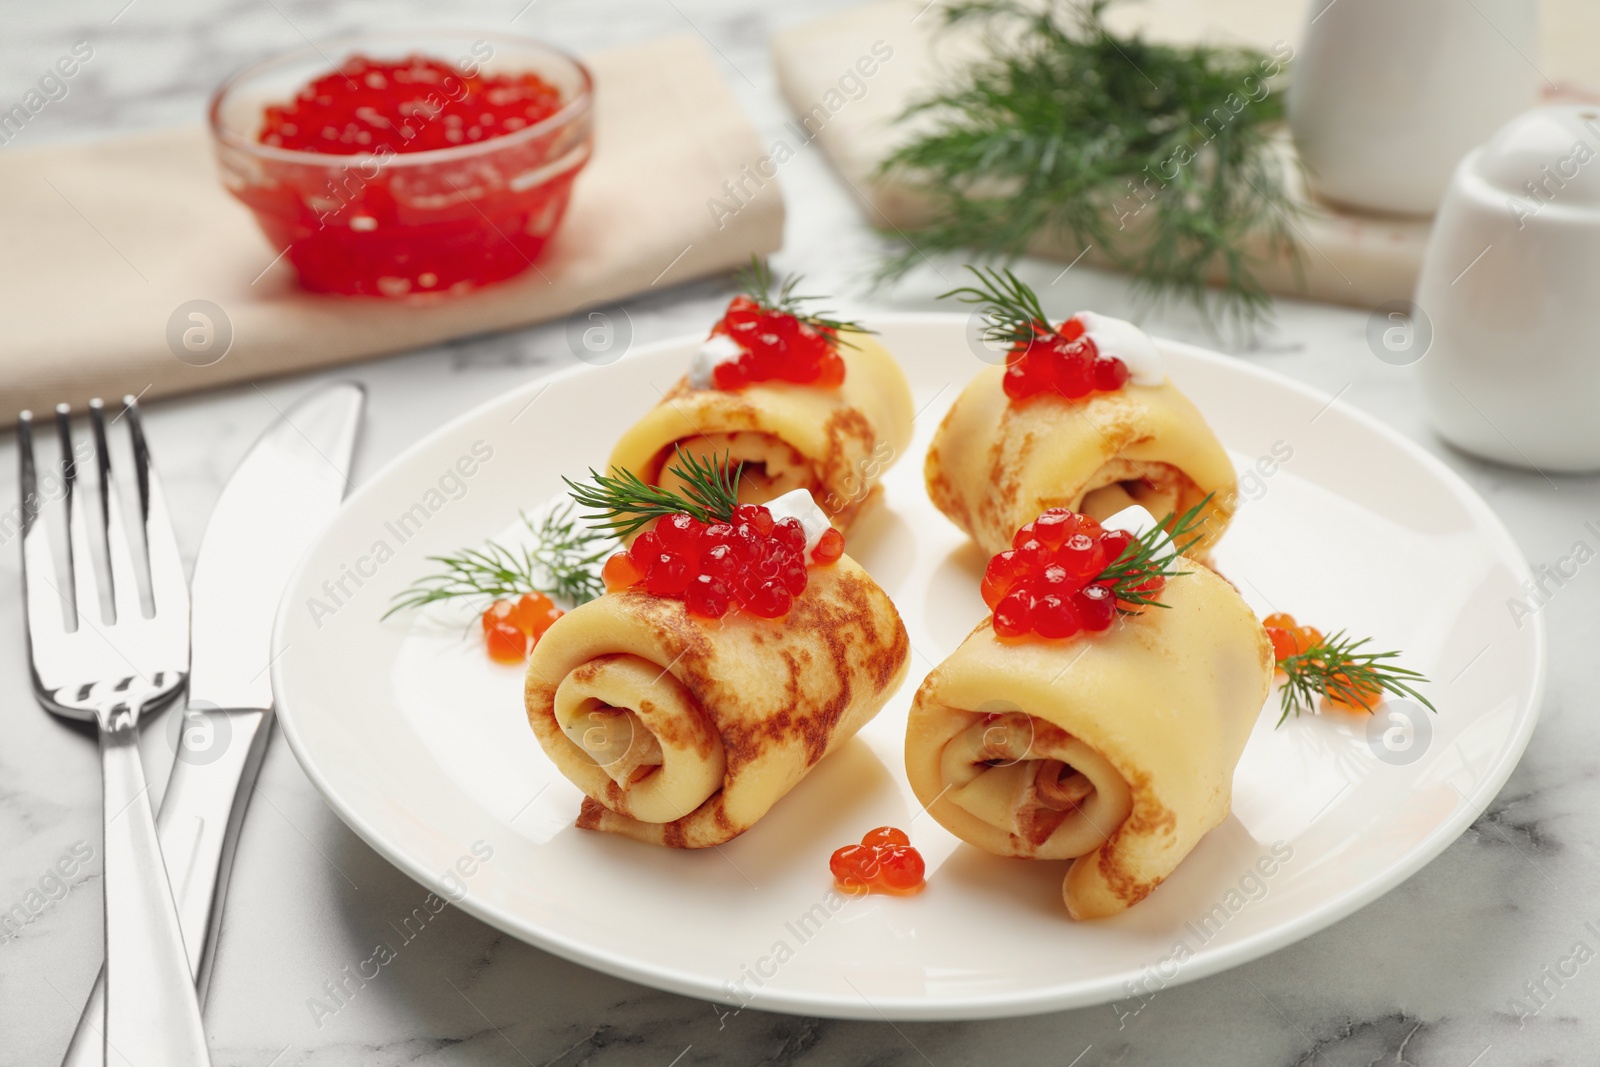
{"points": [[407, 224]]}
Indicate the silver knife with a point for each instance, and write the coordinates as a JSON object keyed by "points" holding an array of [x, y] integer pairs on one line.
{"points": [[284, 491]]}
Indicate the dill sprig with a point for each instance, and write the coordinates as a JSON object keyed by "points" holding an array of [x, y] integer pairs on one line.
{"points": [[1337, 666], [561, 561], [756, 282], [1153, 554], [1011, 309], [623, 502], [1159, 158]]}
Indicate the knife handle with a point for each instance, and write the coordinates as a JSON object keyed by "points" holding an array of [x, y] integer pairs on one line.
{"points": [[198, 828]]}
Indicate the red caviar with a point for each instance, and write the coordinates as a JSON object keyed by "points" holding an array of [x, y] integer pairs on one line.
{"points": [[830, 546], [512, 628], [754, 562], [884, 861], [367, 220], [504, 639], [1047, 582], [620, 572], [415, 105], [1061, 361], [1289, 638], [885, 835], [776, 346], [535, 614], [1365, 697]]}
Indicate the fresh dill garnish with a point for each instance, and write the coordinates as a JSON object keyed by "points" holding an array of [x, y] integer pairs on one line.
{"points": [[561, 561], [1158, 158], [1337, 667], [756, 282], [622, 502], [1152, 554], [1011, 309]]}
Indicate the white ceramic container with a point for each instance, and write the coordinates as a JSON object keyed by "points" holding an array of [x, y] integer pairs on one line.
{"points": [[1387, 95], [1511, 285]]}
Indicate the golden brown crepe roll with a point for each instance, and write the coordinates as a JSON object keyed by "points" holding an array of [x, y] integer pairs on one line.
{"points": [[996, 463], [835, 442], [1115, 749], [683, 731]]}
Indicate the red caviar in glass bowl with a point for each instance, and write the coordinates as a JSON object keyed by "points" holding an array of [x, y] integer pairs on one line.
{"points": [[420, 164]]}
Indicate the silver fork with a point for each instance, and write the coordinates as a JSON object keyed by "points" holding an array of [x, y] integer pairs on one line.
{"points": [[111, 670]]}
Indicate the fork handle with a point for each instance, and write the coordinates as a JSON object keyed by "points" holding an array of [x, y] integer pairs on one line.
{"points": [[201, 812], [152, 1012]]}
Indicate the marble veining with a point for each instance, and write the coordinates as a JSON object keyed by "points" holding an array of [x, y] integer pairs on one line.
{"points": [[1467, 964]]}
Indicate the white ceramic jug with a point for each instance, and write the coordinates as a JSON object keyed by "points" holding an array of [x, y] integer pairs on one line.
{"points": [[1386, 96]]}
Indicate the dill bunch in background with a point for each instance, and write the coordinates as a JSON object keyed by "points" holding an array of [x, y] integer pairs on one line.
{"points": [[1158, 158]]}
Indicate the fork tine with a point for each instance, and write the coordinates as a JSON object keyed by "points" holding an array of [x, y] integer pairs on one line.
{"points": [[119, 554], [169, 589], [45, 608], [80, 554]]}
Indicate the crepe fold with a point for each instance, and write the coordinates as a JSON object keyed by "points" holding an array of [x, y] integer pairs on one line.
{"points": [[995, 465], [1116, 750], [834, 442], [684, 732]]}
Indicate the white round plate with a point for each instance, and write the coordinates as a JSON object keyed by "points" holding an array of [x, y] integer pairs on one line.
{"points": [[420, 743]]}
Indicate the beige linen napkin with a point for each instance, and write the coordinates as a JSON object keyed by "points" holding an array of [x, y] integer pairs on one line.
{"points": [[1346, 257], [101, 242]]}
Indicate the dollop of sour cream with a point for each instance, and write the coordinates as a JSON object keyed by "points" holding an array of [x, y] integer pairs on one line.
{"points": [[718, 349], [1134, 520], [1120, 338], [799, 504]]}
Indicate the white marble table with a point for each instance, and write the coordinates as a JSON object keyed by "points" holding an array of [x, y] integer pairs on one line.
{"points": [[1425, 975]]}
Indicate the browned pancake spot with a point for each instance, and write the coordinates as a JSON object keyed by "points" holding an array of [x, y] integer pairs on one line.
{"points": [[590, 813], [1148, 818]]}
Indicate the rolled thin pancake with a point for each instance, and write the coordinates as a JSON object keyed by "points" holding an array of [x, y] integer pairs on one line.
{"points": [[834, 442], [1115, 750], [685, 732], [995, 464]]}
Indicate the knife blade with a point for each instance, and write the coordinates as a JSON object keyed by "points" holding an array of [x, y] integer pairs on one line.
{"points": [[283, 492]]}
